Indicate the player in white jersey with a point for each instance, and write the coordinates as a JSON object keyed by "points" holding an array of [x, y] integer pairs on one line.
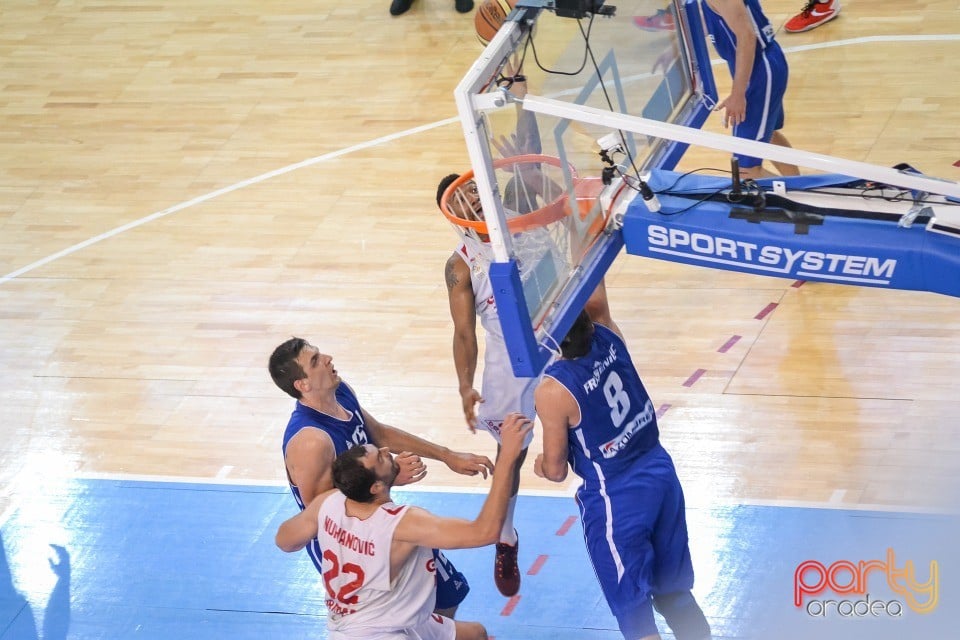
{"points": [[471, 295], [378, 566], [501, 393], [357, 554]]}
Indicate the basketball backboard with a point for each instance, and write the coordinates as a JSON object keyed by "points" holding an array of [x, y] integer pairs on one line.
{"points": [[617, 62], [616, 99]]}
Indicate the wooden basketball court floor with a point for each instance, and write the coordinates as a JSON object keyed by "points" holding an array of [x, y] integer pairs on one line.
{"points": [[186, 185]]}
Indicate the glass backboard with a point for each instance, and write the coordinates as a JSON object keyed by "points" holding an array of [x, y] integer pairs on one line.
{"points": [[641, 58]]}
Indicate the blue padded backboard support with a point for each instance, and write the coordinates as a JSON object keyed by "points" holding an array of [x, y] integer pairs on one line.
{"points": [[840, 250], [514, 318], [527, 357]]}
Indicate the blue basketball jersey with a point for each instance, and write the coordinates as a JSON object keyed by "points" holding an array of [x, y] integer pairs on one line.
{"points": [[452, 586], [631, 502], [618, 422], [343, 433], [768, 77], [724, 39]]}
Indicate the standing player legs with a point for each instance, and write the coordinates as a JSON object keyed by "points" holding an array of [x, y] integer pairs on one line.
{"points": [[623, 563], [506, 570], [503, 393], [673, 568], [765, 115], [784, 168], [683, 615]]}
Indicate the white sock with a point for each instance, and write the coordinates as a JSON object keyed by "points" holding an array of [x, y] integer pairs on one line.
{"points": [[508, 534]]}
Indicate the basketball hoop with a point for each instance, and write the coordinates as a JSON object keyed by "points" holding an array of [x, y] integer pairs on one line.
{"points": [[525, 181], [547, 240]]}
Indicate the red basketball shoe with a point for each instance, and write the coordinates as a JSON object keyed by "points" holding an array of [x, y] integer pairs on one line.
{"points": [[814, 14], [662, 20], [506, 573]]}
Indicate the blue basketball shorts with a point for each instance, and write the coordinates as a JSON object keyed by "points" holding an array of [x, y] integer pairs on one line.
{"points": [[768, 84], [452, 586], [641, 550]]}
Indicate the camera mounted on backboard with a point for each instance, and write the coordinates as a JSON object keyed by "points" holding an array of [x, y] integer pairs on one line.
{"points": [[610, 145], [581, 8], [571, 8]]}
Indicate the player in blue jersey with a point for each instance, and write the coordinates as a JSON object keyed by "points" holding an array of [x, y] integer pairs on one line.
{"points": [[598, 418], [742, 35], [328, 420]]}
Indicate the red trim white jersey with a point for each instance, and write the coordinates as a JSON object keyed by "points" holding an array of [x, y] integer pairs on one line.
{"points": [[502, 392], [362, 600]]}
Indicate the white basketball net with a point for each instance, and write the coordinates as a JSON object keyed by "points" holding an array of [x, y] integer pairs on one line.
{"points": [[543, 251]]}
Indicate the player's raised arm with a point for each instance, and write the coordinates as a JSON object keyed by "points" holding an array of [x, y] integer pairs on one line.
{"points": [[426, 529], [296, 532], [398, 440], [555, 406]]}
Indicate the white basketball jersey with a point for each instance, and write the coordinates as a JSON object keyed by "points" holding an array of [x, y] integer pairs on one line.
{"points": [[479, 262], [502, 392], [361, 599]]}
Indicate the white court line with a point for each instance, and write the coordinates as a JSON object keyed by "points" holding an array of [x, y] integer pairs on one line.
{"points": [[140, 477], [273, 484], [219, 192], [945, 37], [538, 493], [395, 136]]}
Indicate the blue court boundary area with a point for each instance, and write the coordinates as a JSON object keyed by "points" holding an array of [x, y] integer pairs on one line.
{"points": [[166, 560]]}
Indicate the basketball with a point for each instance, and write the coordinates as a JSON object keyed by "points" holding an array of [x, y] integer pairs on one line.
{"points": [[489, 17]]}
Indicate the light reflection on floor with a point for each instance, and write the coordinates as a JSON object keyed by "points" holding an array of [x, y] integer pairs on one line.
{"points": [[169, 559]]}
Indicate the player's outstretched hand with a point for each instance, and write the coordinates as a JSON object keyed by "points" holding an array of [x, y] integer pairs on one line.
{"points": [[412, 468], [469, 464], [470, 398], [734, 109], [507, 147], [513, 432]]}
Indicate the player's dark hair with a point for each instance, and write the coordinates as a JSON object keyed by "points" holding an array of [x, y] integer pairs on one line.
{"points": [[577, 342], [446, 182], [351, 477], [284, 368]]}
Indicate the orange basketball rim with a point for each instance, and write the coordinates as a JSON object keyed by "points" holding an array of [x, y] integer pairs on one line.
{"points": [[586, 191]]}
